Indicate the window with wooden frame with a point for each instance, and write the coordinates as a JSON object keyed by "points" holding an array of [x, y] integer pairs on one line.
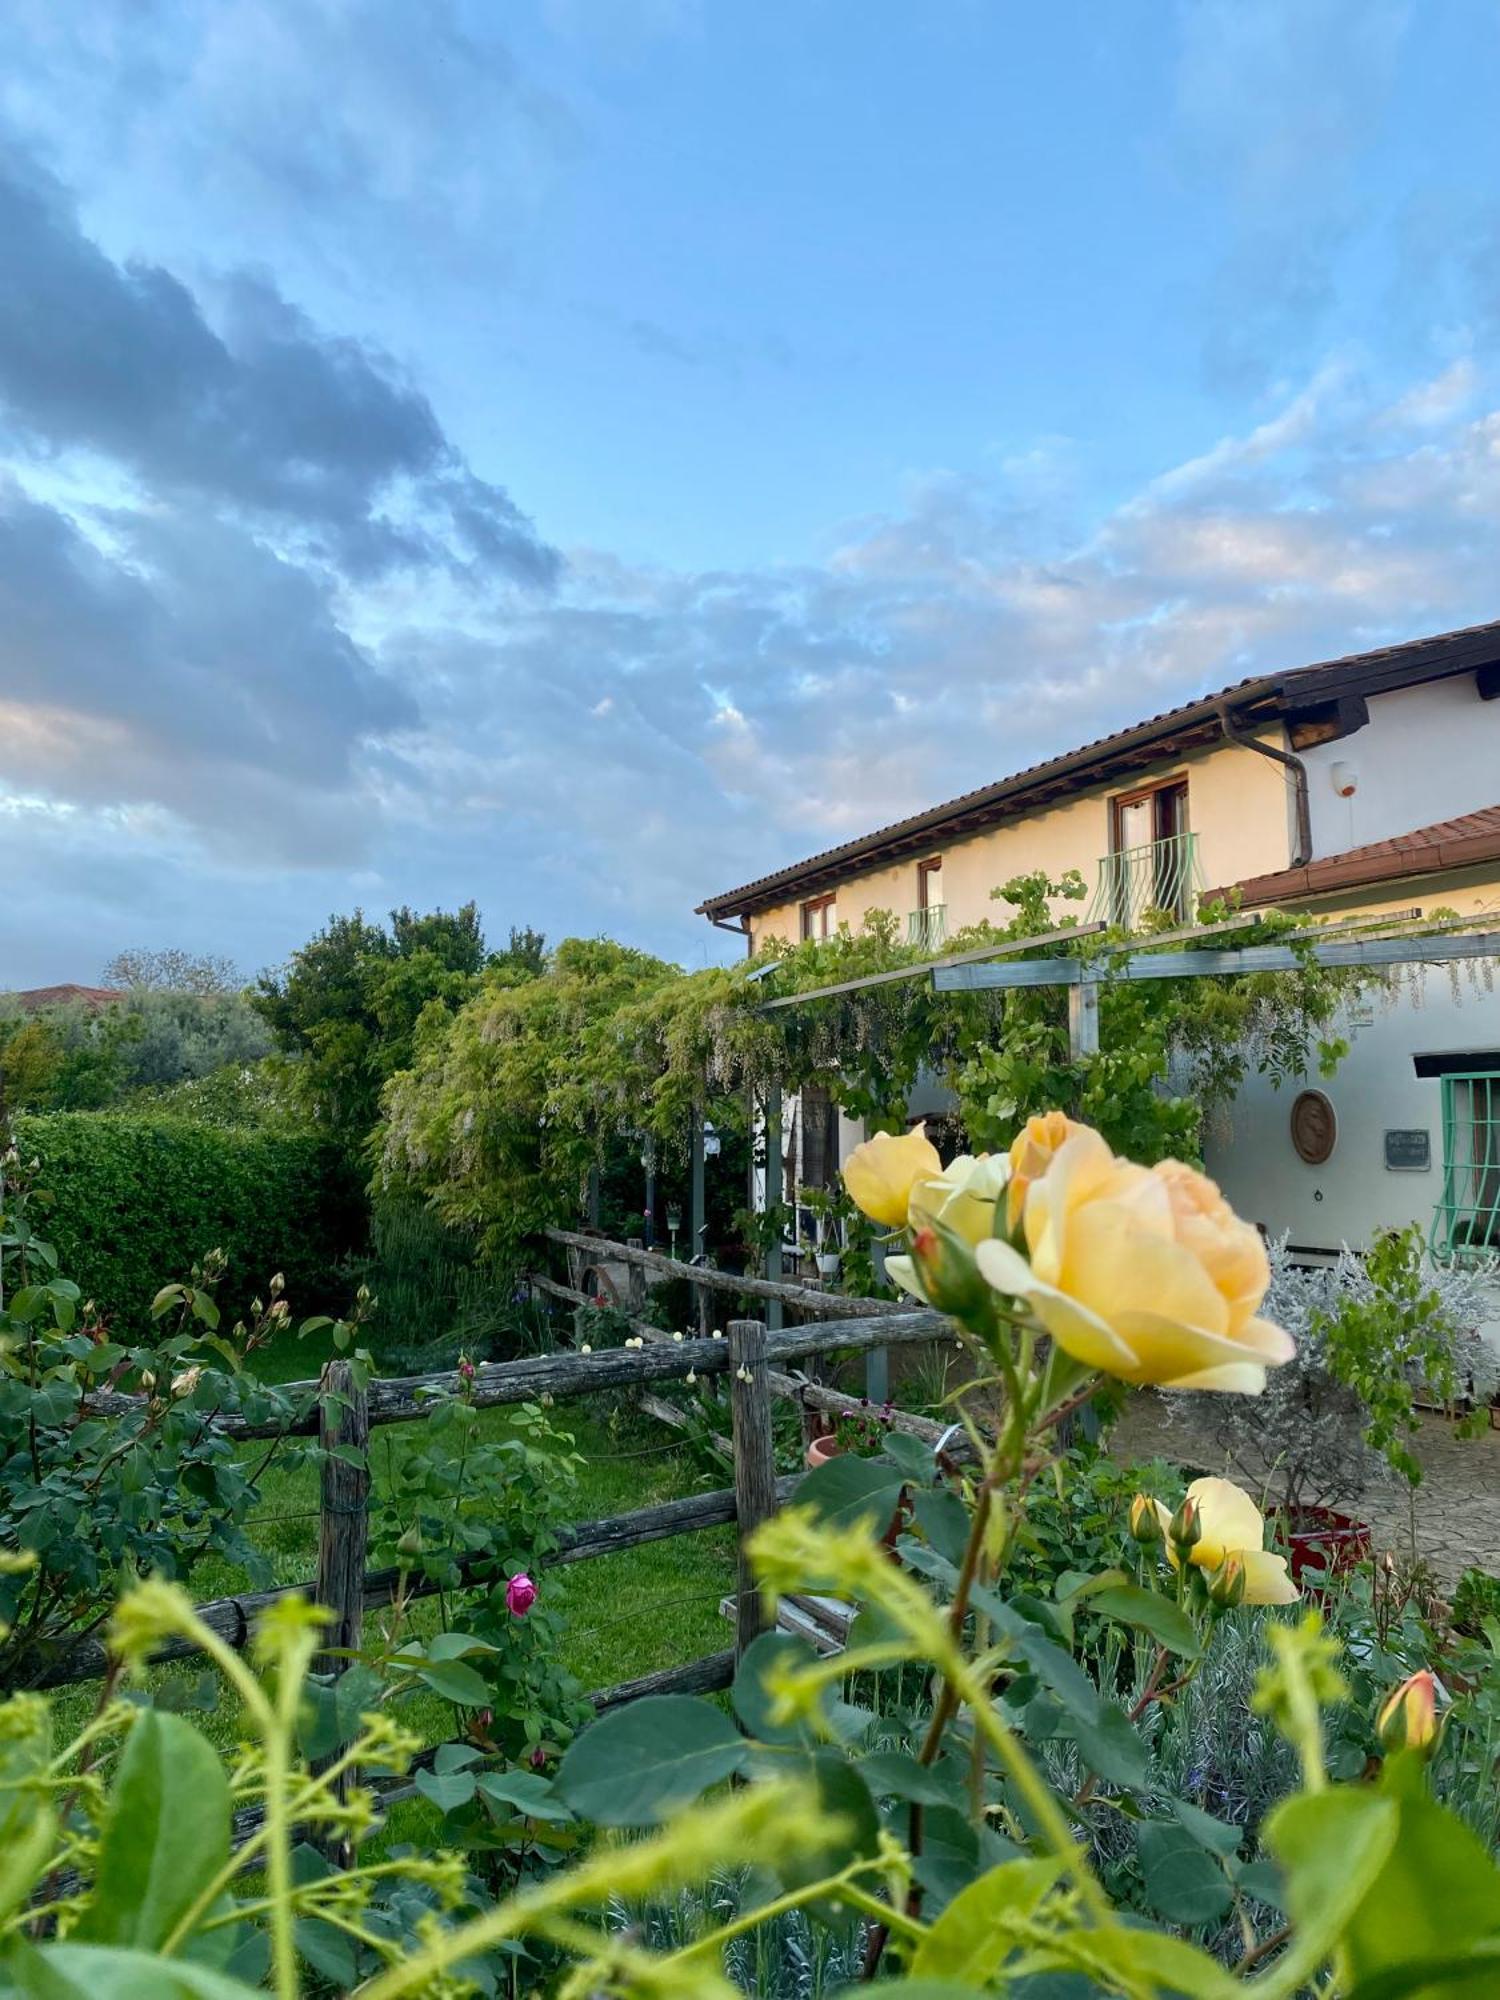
{"points": [[1152, 865], [820, 917]]}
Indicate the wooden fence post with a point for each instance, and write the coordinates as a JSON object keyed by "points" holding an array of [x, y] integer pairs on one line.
{"points": [[754, 1466], [635, 1281], [344, 1521]]}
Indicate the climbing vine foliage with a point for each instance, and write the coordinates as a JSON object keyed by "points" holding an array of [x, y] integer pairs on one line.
{"points": [[514, 1098]]}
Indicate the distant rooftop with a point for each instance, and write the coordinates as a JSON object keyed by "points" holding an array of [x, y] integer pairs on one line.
{"points": [[37, 998]]}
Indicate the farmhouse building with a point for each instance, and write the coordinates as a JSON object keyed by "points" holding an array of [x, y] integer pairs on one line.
{"points": [[1353, 787]]}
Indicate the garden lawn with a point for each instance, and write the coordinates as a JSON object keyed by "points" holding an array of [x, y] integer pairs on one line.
{"points": [[627, 1614]]}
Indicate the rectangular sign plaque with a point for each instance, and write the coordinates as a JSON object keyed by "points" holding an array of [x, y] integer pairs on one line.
{"points": [[1408, 1151]]}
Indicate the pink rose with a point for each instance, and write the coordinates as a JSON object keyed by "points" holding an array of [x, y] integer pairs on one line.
{"points": [[520, 1594]]}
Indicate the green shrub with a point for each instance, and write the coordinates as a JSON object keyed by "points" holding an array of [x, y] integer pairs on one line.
{"points": [[137, 1200]]}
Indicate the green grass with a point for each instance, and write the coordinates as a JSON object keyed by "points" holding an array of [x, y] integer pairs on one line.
{"points": [[627, 1614]]}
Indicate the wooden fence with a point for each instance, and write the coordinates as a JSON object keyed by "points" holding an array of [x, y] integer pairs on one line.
{"points": [[755, 1361]]}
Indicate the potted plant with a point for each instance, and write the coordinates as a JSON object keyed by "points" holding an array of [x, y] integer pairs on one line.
{"points": [[822, 1205], [856, 1434], [1373, 1334]]}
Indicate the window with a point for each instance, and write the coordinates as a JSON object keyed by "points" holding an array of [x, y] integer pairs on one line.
{"points": [[819, 917], [1468, 1215], [1152, 865], [927, 924]]}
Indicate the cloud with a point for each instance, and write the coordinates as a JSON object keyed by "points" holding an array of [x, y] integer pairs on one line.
{"points": [[313, 433], [314, 124], [186, 669]]}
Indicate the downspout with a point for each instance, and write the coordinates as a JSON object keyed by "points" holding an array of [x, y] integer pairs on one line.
{"points": [[1303, 851]]}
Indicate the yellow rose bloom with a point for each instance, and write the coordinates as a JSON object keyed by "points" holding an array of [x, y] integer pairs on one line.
{"points": [[1031, 1154], [881, 1173], [962, 1197], [1230, 1524], [1143, 1273]]}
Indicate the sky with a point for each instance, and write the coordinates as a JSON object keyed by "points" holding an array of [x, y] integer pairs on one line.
{"points": [[583, 454]]}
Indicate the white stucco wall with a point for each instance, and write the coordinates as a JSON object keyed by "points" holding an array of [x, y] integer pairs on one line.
{"points": [[1354, 1194], [1426, 754]]}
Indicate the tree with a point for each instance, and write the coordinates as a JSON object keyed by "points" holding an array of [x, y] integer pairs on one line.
{"points": [[171, 970], [347, 1005], [526, 953]]}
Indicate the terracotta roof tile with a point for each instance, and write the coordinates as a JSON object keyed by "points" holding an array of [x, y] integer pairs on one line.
{"points": [[1428, 850]]}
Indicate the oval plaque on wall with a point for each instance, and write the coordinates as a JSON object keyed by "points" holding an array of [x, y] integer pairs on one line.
{"points": [[1315, 1127]]}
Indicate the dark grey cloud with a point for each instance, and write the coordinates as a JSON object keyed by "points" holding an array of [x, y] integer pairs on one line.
{"points": [[176, 661], [261, 412]]}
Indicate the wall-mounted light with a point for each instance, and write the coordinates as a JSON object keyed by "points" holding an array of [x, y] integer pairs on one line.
{"points": [[1345, 779]]}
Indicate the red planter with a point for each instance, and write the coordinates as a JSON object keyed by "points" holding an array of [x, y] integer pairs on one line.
{"points": [[1320, 1539]]}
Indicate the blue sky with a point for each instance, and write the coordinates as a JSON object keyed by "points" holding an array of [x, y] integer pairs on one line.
{"points": [[583, 455]]}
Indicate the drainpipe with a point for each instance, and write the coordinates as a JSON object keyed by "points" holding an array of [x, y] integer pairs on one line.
{"points": [[741, 929], [1303, 851]]}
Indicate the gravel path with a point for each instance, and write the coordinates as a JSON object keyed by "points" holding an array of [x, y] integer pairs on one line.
{"points": [[1457, 1505]]}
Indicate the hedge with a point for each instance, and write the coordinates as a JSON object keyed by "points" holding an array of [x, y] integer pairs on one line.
{"points": [[138, 1200]]}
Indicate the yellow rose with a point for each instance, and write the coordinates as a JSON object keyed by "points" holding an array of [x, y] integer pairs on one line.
{"points": [[881, 1173], [1143, 1273], [1031, 1154], [959, 1203], [1230, 1525], [962, 1197], [1408, 1718]]}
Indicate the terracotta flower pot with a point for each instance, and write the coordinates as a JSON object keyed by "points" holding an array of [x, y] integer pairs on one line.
{"points": [[1320, 1539], [821, 1450]]}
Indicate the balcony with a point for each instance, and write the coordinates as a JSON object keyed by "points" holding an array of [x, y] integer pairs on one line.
{"points": [[1164, 875], [927, 929]]}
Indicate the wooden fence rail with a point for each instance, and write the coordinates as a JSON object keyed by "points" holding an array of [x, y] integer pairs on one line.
{"points": [[807, 1298], [401, 1399]]}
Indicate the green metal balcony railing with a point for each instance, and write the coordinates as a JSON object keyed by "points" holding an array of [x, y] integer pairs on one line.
{"points": [[928, 928], [1467, 1221], [1163, 875]]}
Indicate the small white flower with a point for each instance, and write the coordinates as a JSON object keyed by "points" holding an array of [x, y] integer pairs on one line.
{"points": [[585, 1349]]}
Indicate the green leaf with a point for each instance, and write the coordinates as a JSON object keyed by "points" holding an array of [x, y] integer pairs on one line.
{"points": [[1331, 1847], [637, 1765], [456, 1646], [1056, 1669], [100, 1972], [1111, 1746], [448, 1790], [456, 1682], [844, 1797], [849, 1489], [328, 1952], [455, 1757], [945, 1521], [971, 1939], [526, 1792], [1183, 1883], [752, 1703], [1166, 1622], [166, 1834], [894, 1774], [1438, 1892], [1215, 1834], [911, 1457], [1470, 1975], [23, 1856], [1150, 1960]]}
